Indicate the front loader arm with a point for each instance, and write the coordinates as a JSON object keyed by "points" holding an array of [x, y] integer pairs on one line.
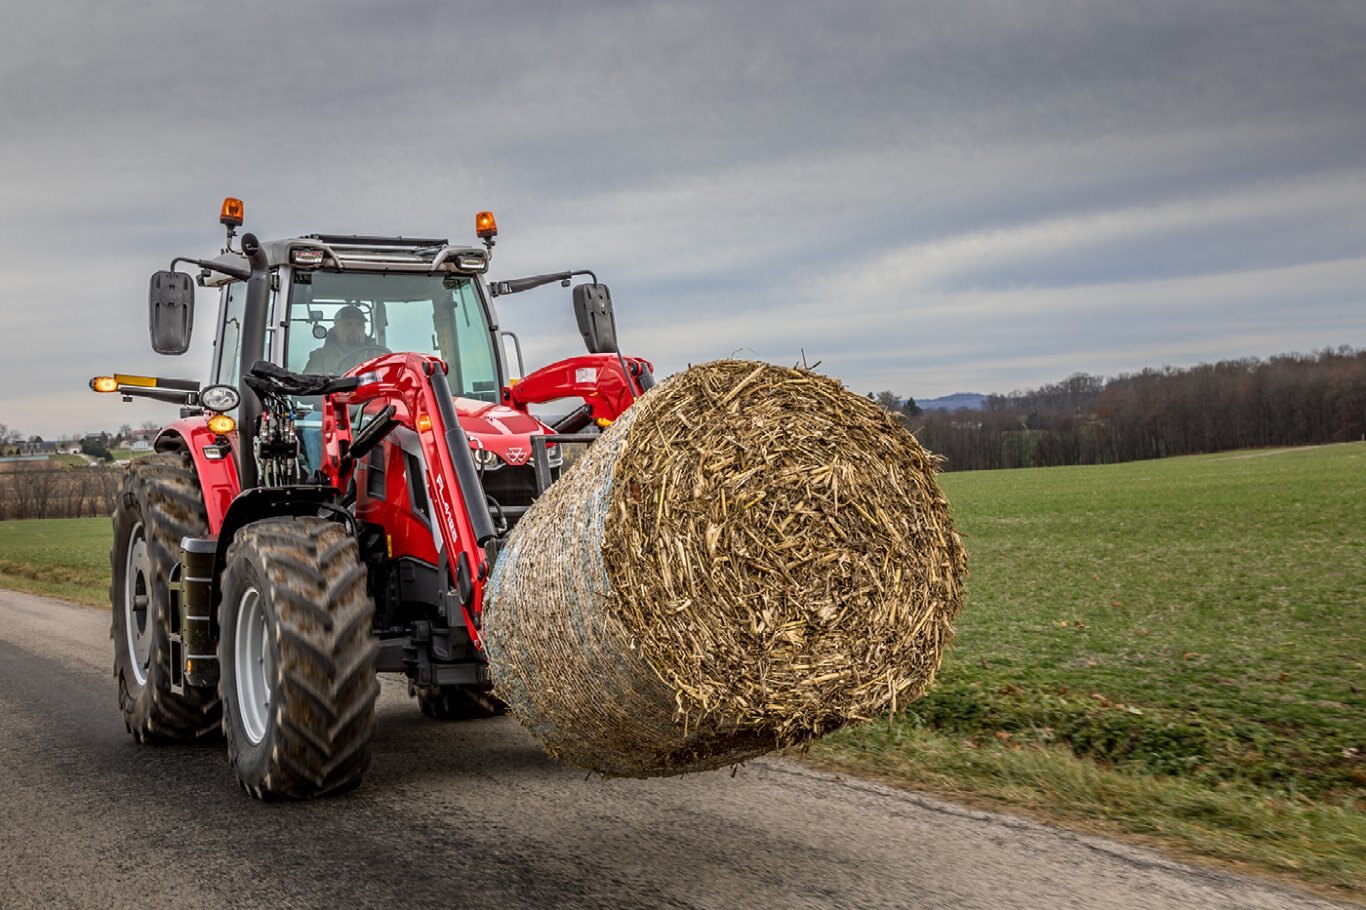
{"points": [[415, 386], [607, 383]]}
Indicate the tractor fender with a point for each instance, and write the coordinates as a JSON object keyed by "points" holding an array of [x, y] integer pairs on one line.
{"points": [[215, 464], [272, 502]]}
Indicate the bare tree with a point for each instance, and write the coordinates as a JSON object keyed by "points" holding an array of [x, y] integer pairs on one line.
{"points": [[889, 401], [8, 438], [70, 494]]}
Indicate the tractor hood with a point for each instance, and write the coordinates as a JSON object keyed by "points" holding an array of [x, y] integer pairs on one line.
{"points": [[502, 430]]}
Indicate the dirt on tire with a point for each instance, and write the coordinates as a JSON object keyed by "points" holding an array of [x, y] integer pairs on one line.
{"points": [[160, 503], [310, 585]]}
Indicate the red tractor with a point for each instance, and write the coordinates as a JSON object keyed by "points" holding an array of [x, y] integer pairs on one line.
{"points": [[344, 523]]}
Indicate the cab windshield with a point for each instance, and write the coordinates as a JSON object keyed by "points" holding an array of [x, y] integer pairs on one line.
{"points": [[340, 319]]}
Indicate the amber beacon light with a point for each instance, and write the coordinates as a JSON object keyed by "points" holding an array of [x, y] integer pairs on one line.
{"points": [[104, 384], [222, 424], [232, 213], [485, 225]]}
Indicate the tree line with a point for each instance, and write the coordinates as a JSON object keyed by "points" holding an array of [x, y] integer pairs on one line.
{"points": [[1286, 400], [50, 490]]}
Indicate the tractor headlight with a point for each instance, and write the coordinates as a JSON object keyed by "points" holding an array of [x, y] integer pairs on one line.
{"points": [[486, 460], [219, 398]]}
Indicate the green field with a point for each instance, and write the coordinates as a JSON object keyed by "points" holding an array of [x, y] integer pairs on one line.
{"points": [[65, 557], [1169, 649]]}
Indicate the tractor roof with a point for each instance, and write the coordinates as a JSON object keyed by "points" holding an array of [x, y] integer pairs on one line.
{"points": [[356, 253]]}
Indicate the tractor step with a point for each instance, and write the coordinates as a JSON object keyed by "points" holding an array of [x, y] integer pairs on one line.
{"points": [[197, 659]]}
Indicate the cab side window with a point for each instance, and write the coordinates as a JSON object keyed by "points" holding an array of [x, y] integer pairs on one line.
{"points": [[228, 349], [227, 357]]}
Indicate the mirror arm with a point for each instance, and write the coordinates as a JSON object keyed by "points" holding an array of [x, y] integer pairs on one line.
{"points": [[518, 285], [230, 270], [183, 397]]}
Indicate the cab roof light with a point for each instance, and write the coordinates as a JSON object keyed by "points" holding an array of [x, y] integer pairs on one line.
{"points": [[232, 213], [104, 384], [472, 262]]}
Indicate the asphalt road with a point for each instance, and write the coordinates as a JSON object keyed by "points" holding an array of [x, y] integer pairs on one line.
{"points": [[473, 815]]}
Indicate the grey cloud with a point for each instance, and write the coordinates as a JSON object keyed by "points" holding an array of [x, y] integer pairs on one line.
{"points": [[746, 176]]}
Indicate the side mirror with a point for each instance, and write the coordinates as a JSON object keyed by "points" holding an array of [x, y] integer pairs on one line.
{"points": [[170, 303], [593, 309]]}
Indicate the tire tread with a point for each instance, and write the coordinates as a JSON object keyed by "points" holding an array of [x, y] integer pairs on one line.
{"points": [[325, 687], [163, 490]]}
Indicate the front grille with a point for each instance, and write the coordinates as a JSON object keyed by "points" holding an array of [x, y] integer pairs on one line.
{"points": [[514, 487], [511, 486]]}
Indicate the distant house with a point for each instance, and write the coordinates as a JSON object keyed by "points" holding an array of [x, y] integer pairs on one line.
{"points": [[37, 447], [69, 448], [141, 445]]}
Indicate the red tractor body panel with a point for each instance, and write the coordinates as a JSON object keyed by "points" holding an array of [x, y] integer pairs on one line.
{"points": [[407, 531], [217, 476], [502, 430], [597, 379]]}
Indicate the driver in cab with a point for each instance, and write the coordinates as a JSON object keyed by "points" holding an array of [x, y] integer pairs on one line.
{"points": [[346, 345]]}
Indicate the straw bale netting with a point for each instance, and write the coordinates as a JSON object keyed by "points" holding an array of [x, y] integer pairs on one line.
{"points": [[751, 557]]}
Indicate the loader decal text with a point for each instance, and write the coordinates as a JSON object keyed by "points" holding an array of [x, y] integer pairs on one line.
{"points": [[445, 501]]}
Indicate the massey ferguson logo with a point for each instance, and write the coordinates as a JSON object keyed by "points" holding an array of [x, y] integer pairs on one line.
{"points": [[516, 455]]}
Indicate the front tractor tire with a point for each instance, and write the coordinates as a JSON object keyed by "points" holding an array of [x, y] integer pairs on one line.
{"points": [[160, 503], [297, 659]]}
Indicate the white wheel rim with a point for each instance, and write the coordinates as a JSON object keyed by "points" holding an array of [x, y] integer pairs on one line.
{"points": [[253, 665], [137, 586]]}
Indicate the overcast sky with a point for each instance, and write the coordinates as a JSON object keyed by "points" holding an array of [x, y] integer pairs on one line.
{"points": [[924, 197]]}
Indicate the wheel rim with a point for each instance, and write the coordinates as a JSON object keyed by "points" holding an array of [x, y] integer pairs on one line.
{"points": [[137, 583], [254, 667]]}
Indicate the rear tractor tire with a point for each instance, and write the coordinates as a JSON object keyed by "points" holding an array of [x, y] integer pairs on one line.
{"points": [[297, 659], [459, 703], [160, 504]]}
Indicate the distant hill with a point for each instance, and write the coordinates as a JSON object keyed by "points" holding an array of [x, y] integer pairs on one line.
{"points": [[952, 402]]}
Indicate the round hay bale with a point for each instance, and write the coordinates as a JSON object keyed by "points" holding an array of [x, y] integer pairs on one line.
{"points": [[751, 557]]}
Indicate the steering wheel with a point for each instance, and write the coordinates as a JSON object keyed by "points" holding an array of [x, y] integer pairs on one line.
{"points": [[370, 350], [356, 357]]}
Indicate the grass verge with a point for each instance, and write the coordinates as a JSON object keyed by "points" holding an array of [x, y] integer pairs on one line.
{"points": [[66, 558], [1309, 842], [1168, 649]]}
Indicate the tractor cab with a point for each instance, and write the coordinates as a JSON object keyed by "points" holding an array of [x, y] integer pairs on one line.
{"points": [[337, 302], [423, 296], [361, 449]]}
